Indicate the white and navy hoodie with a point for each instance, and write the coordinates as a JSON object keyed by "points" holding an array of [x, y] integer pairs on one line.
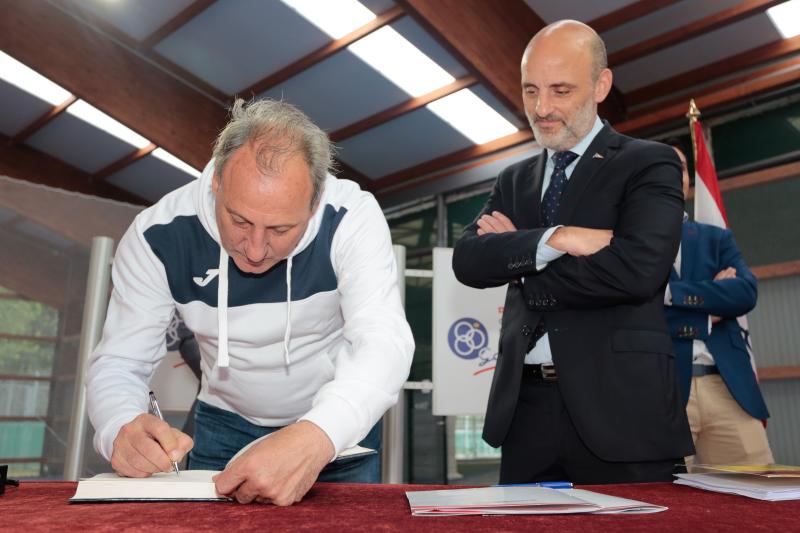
{"points": [[322, 336]]}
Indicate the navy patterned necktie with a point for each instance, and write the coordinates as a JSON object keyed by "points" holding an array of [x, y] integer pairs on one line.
{"points": [[549, 209], [558, 182]]}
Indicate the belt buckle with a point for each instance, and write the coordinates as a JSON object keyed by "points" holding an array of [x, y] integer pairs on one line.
{"points": [[548, 372]]}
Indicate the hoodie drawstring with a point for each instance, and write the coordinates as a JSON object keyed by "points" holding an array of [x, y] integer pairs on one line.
{"points": [[287, 335], [223, 360]]}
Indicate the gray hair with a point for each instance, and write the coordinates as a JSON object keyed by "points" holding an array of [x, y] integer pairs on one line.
{"points": [[278, 130], [599, 56]]}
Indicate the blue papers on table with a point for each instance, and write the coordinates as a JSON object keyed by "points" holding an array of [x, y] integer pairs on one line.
{"points": [[520, 500]]}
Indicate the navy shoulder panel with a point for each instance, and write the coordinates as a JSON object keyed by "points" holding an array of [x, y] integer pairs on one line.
{"points": [[187, 251], [191, 259]]}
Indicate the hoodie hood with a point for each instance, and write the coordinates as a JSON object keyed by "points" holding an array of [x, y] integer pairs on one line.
{"points": [[205, 205]]}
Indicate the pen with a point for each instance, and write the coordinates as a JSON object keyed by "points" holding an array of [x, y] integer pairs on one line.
{"points": [[156, 411], [546, 484]]}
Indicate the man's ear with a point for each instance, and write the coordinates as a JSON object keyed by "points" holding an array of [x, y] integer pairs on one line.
{"points": [[603, 85]]}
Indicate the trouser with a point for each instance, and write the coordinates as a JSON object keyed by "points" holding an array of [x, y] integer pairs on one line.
{"points": [[219, 434], [543, 445], [722, 431]]}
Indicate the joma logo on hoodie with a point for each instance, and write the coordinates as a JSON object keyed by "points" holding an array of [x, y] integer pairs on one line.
{"points": [[211, 273]]}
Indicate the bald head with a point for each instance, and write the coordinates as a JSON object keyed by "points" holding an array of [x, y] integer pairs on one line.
{"points": [[564, 78], [575, 36]]}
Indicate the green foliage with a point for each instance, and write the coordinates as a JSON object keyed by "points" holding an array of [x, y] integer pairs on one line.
{"points": [[24, 317]]}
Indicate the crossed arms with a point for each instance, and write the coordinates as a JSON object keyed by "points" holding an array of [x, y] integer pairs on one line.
{"points": [[599, 267]]}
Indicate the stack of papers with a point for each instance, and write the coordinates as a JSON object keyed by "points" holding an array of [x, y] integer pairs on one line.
{"points": [[763, 482], [520, 500]]}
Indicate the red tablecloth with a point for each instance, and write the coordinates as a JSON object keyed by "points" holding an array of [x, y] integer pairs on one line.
{"points": [[40, 506]]}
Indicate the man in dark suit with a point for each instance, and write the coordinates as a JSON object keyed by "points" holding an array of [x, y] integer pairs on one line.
{"points": [[709, 286], [584, 235]]}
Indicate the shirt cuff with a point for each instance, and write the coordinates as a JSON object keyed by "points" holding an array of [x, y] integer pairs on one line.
{"points": [[335, 417], [667, 296], [545, 253]]}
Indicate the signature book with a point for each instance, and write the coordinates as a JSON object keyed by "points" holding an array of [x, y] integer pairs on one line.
{"points": [[190, 485]]}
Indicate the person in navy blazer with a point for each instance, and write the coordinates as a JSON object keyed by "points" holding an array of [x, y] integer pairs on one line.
{"points": [[709, 287]]}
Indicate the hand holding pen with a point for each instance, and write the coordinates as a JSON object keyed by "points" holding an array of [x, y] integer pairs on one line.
{"points": [[147, 445], [155, 410]]}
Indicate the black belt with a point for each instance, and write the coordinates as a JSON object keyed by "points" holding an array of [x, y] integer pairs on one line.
{"points": [[541, 371], [704, 370]]}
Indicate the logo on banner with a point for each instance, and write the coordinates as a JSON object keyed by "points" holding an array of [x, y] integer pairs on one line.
{"points": [[468, 339]]}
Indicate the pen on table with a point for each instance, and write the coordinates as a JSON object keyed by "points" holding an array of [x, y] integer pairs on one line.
{"points": [[156, 411], [545, 484]]}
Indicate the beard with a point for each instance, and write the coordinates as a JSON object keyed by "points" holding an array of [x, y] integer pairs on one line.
{"points": [[570, 132]]}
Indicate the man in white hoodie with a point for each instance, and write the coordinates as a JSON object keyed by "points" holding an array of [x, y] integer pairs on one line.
{"points": [[286, 276]]}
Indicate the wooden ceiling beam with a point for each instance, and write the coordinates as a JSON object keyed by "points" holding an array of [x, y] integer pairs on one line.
{"points": [[116, 80], [743, 10], [102, 26], [791, 63], [401, 109], [350, 173], [169, 27], [123, 162], [723, 67], [23, 162], [628, 13], [320, 54], [488, 38], [724, 94], [709, 99], [402, 176], [42, 121]]}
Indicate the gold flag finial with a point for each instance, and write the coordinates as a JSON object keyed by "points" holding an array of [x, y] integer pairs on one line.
{"points": [[693, 113]]}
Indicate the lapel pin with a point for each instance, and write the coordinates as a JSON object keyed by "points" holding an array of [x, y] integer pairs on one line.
{"points": [[597, 155]]}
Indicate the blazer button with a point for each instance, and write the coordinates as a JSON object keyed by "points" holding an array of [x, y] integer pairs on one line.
{"points": [[538, 303], [531, 303], [511, 266], [526, 330]]}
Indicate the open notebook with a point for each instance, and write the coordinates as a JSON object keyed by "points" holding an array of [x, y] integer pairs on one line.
{"points": [[190, 485], [521, 500]]}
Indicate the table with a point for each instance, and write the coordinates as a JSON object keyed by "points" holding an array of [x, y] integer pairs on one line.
{"points": [[40, 506]]}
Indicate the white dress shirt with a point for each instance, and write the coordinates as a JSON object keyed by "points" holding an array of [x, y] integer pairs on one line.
{"points": [[541, 353]]}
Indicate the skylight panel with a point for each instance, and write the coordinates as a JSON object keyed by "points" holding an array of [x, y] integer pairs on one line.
{"points": [[471, 116], [170, 159], [82, 110], [400, 62], [786, 17], [337, 18], [31, 81]]}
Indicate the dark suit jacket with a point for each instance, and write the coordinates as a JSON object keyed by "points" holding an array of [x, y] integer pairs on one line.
{"points": [[705, 251], [604, 312]]}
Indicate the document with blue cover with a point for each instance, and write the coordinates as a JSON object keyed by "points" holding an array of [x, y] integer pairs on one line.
{"points": [[521, 500]]}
